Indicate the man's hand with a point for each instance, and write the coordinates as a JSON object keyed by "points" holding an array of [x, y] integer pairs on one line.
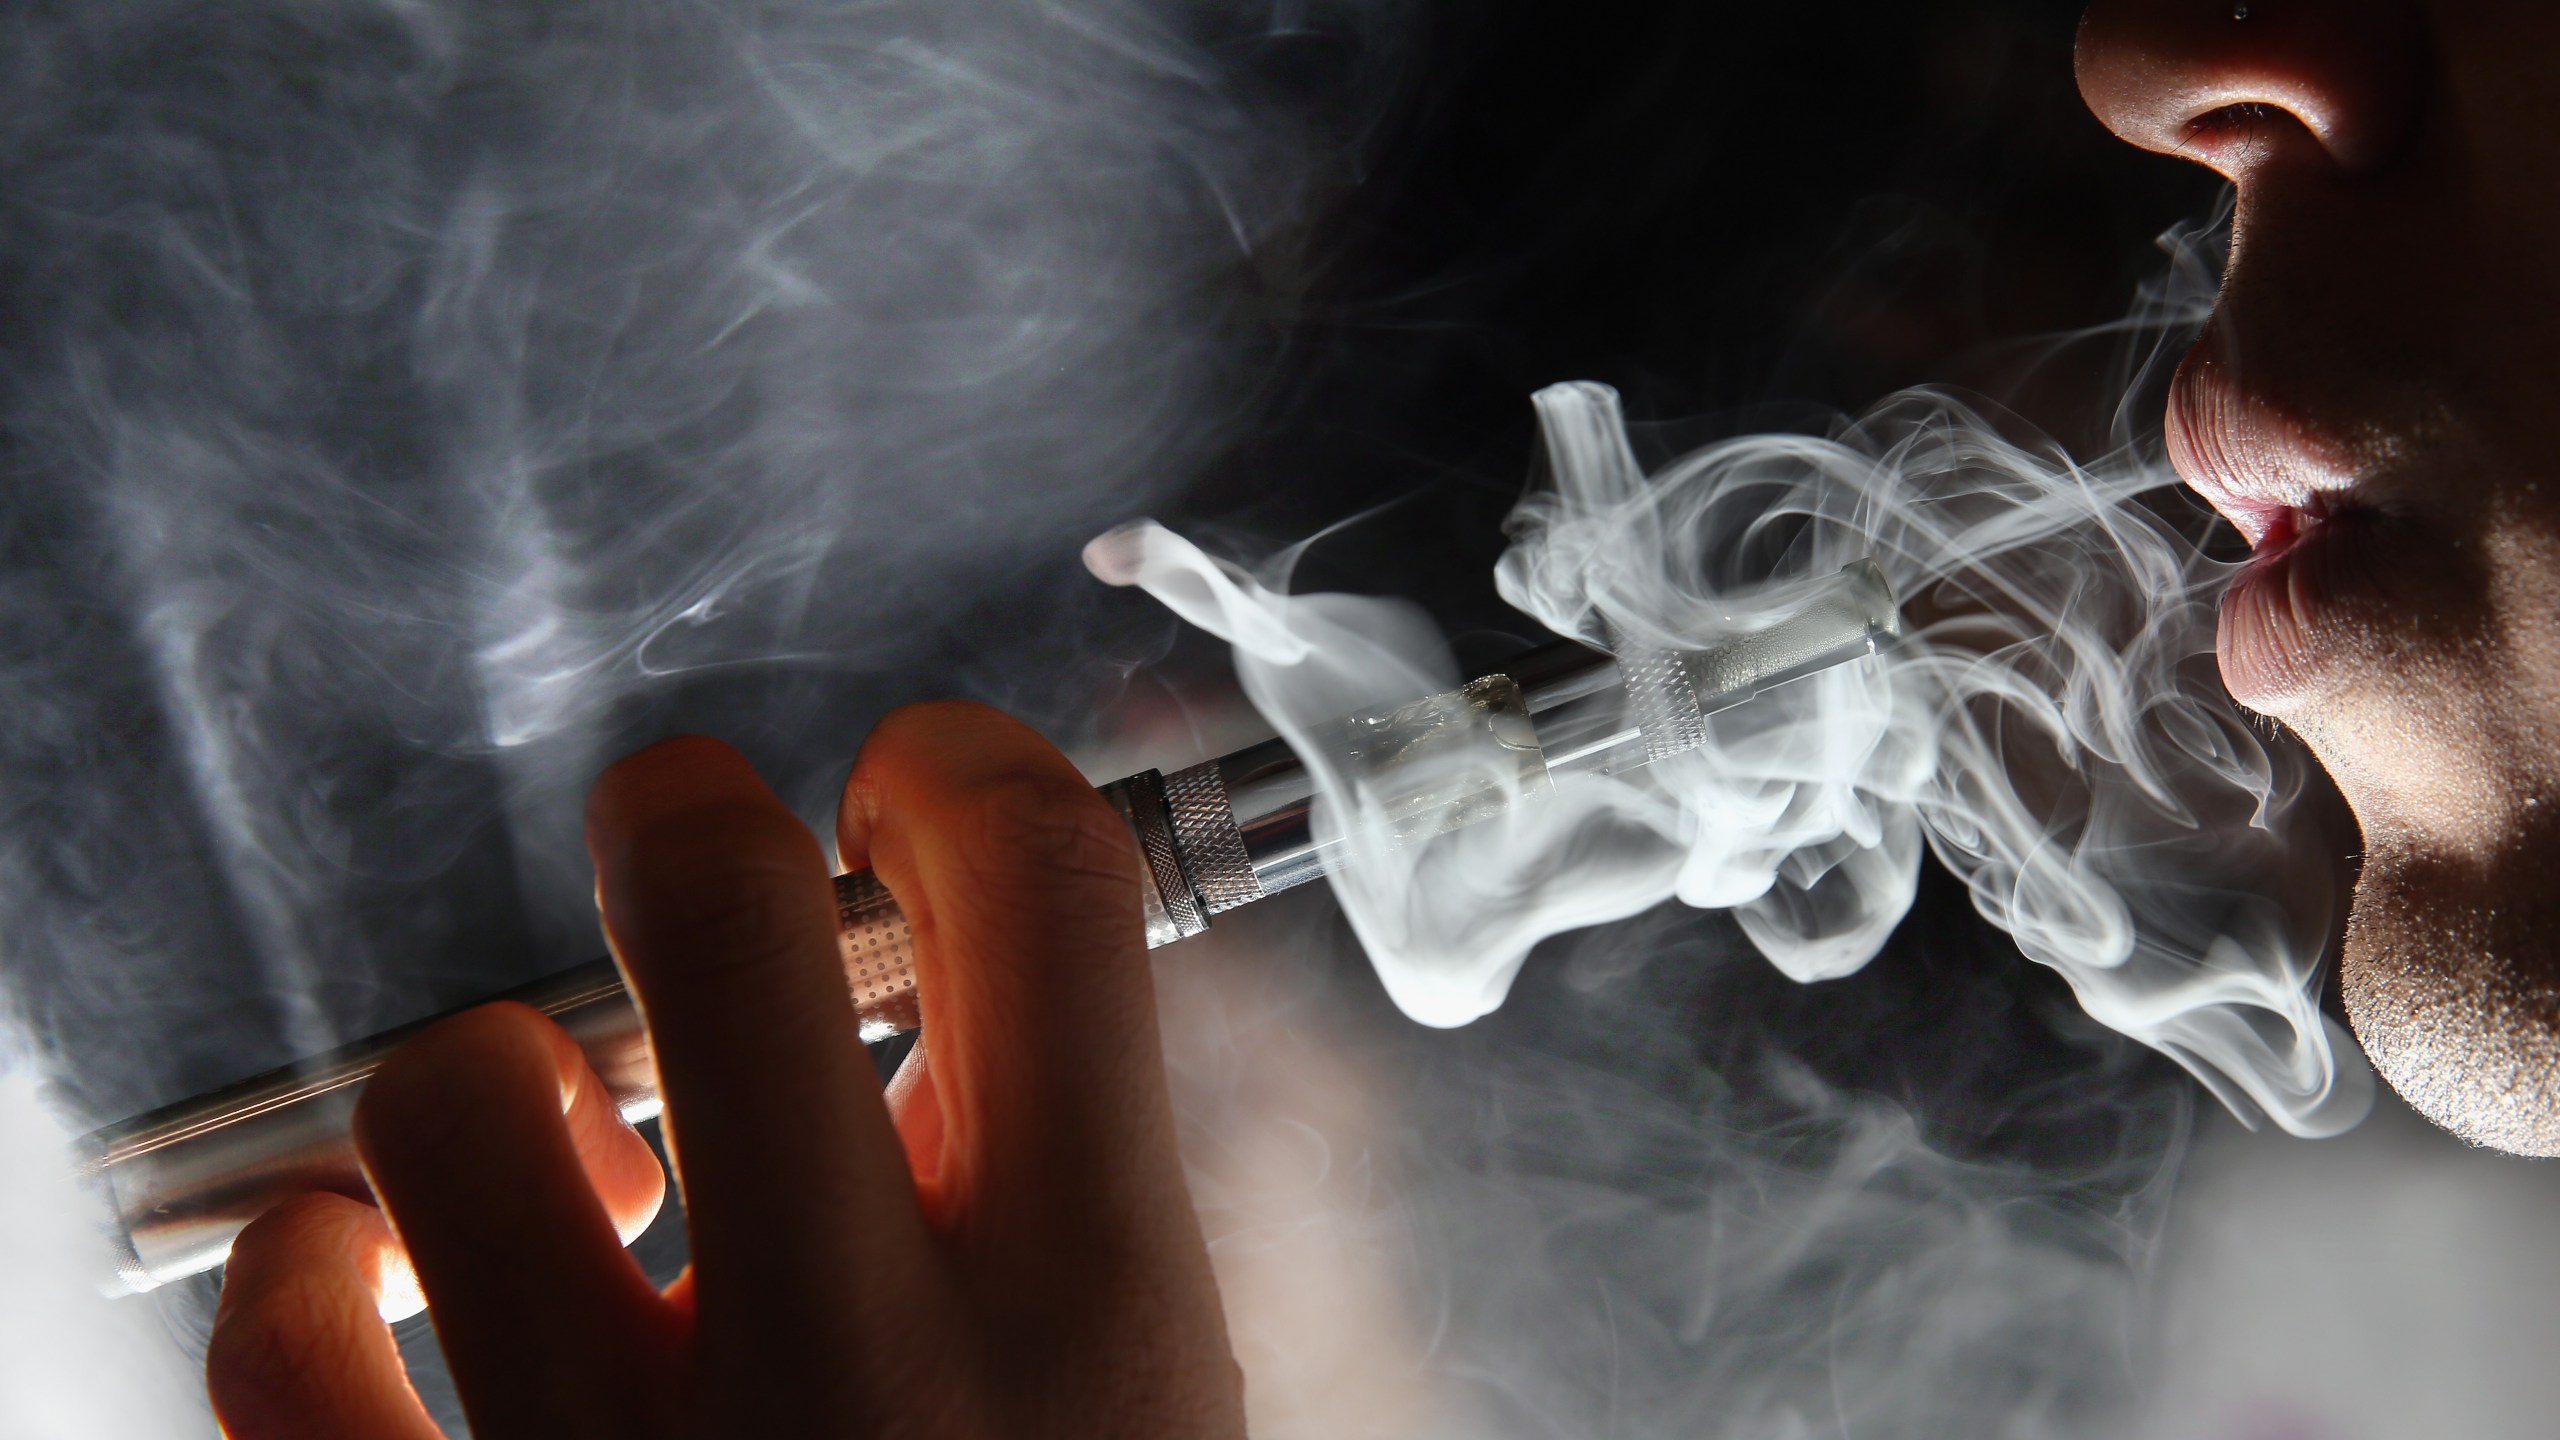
{"points": [[1005, 1250]]}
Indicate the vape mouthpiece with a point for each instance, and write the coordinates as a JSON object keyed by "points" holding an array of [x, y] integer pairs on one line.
{"points": [[182, 1181]]}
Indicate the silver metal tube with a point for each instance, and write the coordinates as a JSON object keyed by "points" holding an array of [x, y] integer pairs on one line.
{"points": [[182, 1181]]}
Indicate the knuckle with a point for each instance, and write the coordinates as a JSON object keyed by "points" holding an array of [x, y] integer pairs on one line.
{"points": [[738, 917], [724, 892], [1006, 831], [1036, 836], [1023, 856], [434, 1095], [1055, 822]]}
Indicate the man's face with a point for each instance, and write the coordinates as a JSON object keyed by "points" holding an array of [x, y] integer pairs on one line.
{"points": [[2374, 406]]}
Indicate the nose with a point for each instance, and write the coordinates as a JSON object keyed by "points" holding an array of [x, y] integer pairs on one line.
{"points": [[2236, 83]]}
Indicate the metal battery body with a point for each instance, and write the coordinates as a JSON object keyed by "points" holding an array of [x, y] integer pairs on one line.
{"points": [[182, 1181]]}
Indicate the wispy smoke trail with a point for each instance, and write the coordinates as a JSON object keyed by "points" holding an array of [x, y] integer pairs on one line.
{"points": [[2053, 730]]}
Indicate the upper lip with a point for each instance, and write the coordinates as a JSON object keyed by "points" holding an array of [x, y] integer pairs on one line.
{"points": [[2270, 470]]}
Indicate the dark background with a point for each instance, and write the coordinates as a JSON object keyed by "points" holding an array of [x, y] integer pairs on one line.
{"points": [[1739, 215]]}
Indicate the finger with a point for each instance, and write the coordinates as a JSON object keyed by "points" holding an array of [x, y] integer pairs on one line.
{"points": [[717, 902], [1021, 887], [619, 1165], [917, 1112], [300, 1350], [679, 1292], [468, 1136]]}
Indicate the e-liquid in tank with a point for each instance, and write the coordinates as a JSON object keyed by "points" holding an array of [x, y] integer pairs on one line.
{"points": [[182, 1181]]}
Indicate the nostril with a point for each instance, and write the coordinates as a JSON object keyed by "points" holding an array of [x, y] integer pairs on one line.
{"points": [[2243, 118], [2235, 136], [2192, 79]]}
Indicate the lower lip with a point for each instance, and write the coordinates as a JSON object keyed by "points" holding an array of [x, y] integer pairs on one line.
{"points": [[2281, 615]]}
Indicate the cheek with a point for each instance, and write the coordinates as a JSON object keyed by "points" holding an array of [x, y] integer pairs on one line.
{"points": [[2520, 621], [2521, 560], [2443, 710]]}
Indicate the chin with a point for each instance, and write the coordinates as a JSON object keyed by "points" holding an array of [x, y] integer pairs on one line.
{"points": [[2451, 984]]}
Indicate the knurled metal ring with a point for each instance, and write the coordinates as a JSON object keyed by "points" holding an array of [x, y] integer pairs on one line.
{"points": [[1174, 911], [1208, 839]]}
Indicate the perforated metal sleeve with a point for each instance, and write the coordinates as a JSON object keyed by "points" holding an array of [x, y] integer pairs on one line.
{"points": [[879, 955], [1211, 844]]}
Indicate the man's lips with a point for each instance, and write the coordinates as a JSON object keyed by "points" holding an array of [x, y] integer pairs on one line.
{"points": [[2283, 616], [2271, 472], [2288, 488]]}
